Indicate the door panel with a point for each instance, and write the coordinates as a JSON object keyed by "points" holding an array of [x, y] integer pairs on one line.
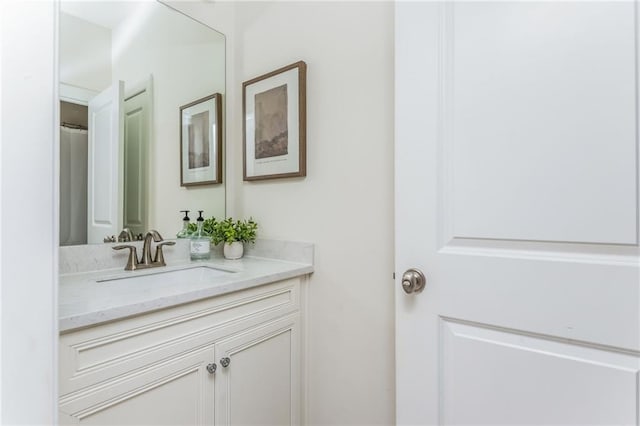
{"points": [[137, 135], [105, 172], [516, 194], [175, 392], [545, 93], [261, 385], [559, 382], [170, 403]]}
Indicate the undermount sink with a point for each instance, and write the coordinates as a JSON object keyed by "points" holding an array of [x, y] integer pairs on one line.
{"points": [[187, 275]]}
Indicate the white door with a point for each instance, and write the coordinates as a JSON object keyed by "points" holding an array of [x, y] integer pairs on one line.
{"points": [[105, 168], [517, 196], [137, 136]]}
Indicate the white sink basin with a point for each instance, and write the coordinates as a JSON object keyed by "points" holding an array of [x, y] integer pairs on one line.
{"points": [[192, 274]]}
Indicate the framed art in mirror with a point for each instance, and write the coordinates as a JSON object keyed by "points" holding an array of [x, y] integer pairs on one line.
{"points": [[201, 141], [274, 129]]}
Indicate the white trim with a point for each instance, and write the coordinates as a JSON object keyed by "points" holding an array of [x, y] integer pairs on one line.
{"points": [[1, 215], [55, 183], [73, 94], [29, 269], [138, 87]]}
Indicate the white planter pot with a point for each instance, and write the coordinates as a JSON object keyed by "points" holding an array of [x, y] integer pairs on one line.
{"points": [[233, 250]]}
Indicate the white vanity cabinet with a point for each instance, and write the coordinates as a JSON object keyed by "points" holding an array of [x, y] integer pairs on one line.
{"points": [[234, 359]]}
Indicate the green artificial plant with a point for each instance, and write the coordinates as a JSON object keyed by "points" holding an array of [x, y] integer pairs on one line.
{"points": [[209, 226], [192, 228], [229, 231]]}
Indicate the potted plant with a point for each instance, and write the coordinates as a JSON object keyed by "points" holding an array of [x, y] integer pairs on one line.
{"points": [[234, 234]]}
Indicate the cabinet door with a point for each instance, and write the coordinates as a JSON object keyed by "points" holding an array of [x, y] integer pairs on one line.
{"points": [[261, 383], [175, 392]]}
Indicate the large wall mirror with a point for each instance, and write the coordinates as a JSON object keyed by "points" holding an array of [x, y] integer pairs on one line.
{"points": [[125, 70]]}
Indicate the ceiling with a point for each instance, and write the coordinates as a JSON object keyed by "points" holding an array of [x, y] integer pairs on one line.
{"points": [[108, 14]]}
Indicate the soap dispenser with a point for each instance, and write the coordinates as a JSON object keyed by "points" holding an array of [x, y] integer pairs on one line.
{"points": [[200, 242], [184, 232]]}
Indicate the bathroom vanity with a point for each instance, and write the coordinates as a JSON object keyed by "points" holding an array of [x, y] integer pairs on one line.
{"points": [[204, 343], [216, 342]]}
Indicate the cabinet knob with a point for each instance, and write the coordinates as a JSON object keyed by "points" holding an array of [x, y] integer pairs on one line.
{"points": [[225, 362], [211, 368]]}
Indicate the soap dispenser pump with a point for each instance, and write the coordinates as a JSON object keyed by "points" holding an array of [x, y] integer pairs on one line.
{"points": [[200, 242], [184, 232]]}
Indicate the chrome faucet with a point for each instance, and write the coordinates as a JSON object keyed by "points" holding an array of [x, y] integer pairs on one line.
{"points": [[146, 261]]}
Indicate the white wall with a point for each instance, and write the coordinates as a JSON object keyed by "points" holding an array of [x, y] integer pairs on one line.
{"points": [[345, 204], [28, 224]]}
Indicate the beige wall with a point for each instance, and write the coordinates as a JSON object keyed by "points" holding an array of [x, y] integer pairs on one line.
{"points": [[345, 204]]}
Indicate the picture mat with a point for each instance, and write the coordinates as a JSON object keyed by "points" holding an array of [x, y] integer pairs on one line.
{"points": [[289, 163], [203, 173]]}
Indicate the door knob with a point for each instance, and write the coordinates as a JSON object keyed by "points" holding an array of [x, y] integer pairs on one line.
{"points": [[225, 362], [211, 368], [413, 281]]}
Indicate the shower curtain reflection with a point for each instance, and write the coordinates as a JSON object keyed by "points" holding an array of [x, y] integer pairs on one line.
{"points": [[73, 186]]}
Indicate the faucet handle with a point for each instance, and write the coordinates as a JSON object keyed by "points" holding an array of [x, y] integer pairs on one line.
{"points": [[159, 258], [132, 262], [125, 236]]}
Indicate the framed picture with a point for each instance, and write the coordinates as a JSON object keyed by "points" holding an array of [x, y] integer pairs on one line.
{"points": [[201, 141], [275, 124]]}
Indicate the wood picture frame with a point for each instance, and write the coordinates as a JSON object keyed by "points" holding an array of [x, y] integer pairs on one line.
{"points": [[201, 141], [274, 130]]}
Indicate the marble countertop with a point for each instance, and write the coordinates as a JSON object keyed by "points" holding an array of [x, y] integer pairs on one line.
{"points": [[84, 301]]}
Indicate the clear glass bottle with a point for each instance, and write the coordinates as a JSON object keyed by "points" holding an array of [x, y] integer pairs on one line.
{"points": [[184, 232], [200, 242]]}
